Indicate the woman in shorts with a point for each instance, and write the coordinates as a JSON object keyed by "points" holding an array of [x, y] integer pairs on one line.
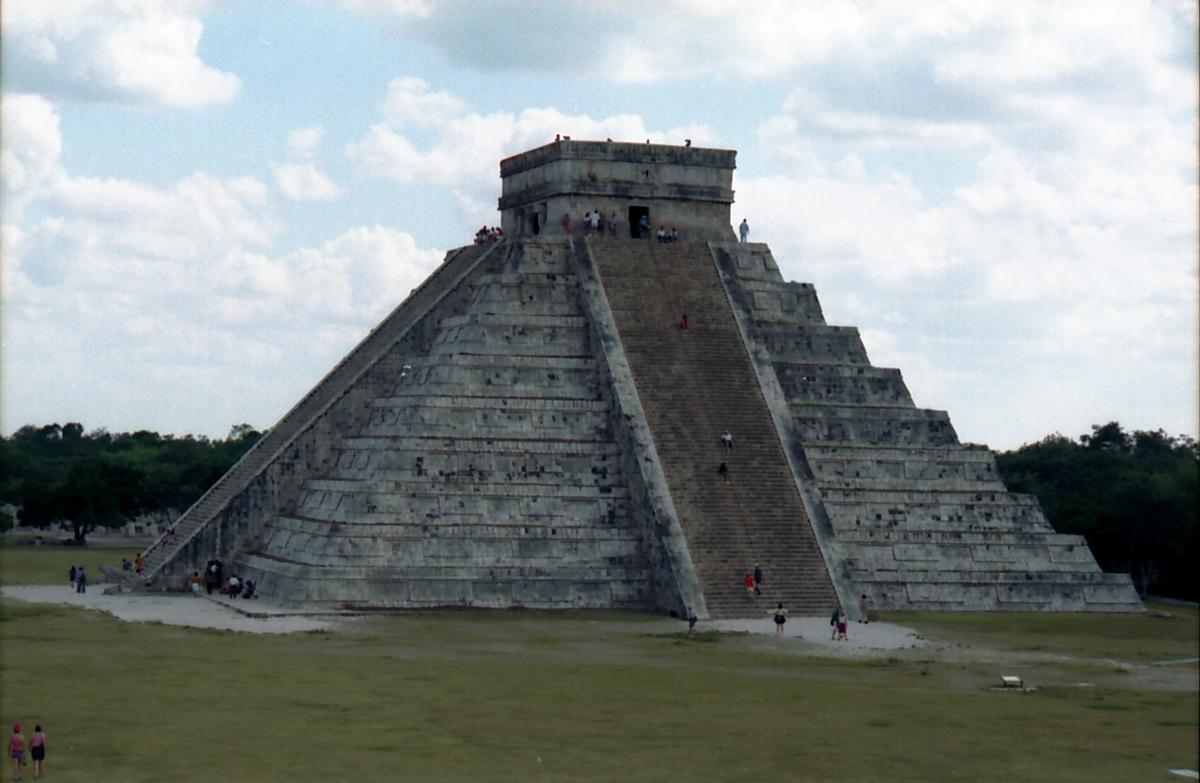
{"points": [[37, 751], [780, 619], [16, 750]]}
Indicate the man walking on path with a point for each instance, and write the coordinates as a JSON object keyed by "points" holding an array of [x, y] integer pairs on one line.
{"points": [[744, 231], [80, 581]]}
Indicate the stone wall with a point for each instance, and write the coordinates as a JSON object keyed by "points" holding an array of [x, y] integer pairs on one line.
{"points": [[914, 519]]}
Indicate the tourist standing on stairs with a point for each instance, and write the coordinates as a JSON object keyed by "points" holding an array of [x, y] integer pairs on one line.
{"points": [[566, 223], [723, 471], [644, 227], [748, 583], [612, 225], [758, 578], [683, 322], [727, 440], [744, 230]]}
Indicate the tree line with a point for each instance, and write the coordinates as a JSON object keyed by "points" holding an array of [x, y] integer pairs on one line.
{"points": [[1132, 495], [61, 474]]}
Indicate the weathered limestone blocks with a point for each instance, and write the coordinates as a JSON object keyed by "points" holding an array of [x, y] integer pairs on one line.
{"points": [[351, 587], [843, 384], [877, 426], [487, 474], [918, 520], [813, 344], [489, 443]]}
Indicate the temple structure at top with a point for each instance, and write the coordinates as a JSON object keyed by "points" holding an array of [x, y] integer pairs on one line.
{"points": [[578, 419], [686, 188]]}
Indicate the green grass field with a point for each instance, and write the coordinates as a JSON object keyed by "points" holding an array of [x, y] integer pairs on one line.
{"points": [[606, 697]]}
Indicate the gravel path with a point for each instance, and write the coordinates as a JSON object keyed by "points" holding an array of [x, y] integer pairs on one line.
{"points": [[202, 612], [862, 638], [262, 616]]}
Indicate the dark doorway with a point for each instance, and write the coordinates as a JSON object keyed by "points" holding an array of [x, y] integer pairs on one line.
{"points": [[635, 221], [535, 223]]}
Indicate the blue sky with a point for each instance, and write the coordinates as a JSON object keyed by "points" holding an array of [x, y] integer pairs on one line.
{"points": [[207, 204]]}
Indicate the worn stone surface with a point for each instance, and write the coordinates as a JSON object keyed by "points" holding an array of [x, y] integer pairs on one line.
{"points": [[913, 518], [530, 427]]}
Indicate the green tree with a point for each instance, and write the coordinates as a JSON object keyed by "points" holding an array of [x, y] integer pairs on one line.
{"points": [[1133, 496]]}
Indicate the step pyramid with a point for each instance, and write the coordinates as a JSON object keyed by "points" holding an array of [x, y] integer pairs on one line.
{"points": [[532, 427]]}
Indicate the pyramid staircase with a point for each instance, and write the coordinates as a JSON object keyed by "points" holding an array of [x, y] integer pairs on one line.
{"points": [[694, 385]]}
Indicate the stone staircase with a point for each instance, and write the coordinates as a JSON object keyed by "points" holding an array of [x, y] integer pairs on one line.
{"points": [[335, 384], [694, 385]]}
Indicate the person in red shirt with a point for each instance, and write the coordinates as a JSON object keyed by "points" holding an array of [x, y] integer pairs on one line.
{"points": [[16, 750], [748, 583]]}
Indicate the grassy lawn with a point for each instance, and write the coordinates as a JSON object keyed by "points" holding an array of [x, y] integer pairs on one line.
{"points": [[1151, 636], [48, 564], [521, 697]]}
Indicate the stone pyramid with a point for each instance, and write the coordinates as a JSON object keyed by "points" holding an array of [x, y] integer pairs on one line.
{"points": [[533, 427]]}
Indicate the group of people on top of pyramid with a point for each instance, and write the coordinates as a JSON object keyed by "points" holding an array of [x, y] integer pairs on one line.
{"points": [[489, 234], [594, 222]]}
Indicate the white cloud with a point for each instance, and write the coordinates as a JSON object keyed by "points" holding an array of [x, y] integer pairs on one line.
{"points": [[29, 127], [302, 143], [131, 51], [302, 182], [168, 301], [410, 102], [467, 145]]}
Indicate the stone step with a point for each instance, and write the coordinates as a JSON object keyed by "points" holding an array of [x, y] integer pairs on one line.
{"points": [[694, 384]]}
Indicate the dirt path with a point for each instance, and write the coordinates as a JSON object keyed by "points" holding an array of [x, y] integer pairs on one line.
{"points": [[182, 610]]}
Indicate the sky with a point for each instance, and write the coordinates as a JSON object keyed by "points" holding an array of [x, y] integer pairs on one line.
{"points": [[207, 204]]}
